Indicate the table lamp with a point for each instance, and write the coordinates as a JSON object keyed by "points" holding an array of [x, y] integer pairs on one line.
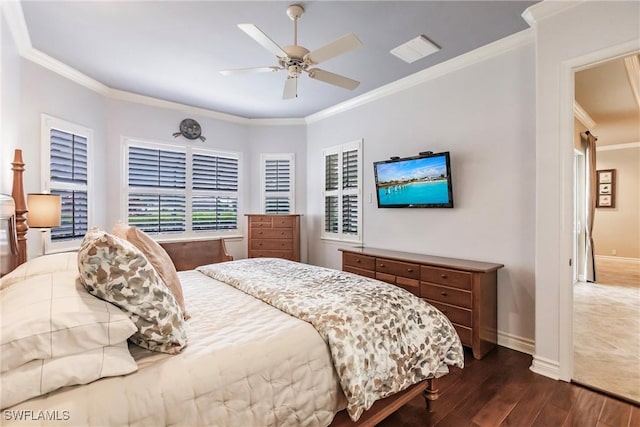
{"points": [[44, 212]]}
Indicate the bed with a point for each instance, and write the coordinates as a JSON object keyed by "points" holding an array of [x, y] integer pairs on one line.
{"points": [[247, 363]]}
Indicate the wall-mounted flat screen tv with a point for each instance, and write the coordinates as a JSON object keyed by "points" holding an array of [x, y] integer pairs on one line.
{"points": [[422, 181]]}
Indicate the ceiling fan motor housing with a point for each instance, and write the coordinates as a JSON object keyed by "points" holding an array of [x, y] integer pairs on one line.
{"points": [[295, 11]]}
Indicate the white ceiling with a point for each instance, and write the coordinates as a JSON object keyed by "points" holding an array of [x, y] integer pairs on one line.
{"points": [[173, 50]]}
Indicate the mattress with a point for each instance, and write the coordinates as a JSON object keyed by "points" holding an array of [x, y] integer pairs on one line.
{"points": [[246, 364]]}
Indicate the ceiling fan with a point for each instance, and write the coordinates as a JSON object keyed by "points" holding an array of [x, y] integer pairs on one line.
{"points": [[297, 59]]}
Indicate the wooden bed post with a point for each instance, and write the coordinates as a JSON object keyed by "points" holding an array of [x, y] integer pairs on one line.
{"points": [[17, 192], [430, 394]]}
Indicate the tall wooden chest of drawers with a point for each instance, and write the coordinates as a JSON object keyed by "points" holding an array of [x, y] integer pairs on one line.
{"points": [[274, 236], [465, 291]]}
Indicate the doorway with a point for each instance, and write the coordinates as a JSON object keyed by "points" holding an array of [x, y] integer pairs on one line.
{"points": [[606, 311]]}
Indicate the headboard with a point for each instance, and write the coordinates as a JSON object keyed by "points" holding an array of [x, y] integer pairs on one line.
{"points": [[191, 254], [17, 192]]}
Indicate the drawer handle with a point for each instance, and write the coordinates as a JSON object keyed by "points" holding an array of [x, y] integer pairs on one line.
{"points": [[444, 294], [381, 265], [410, 270], [444, 276], [282, 233], [259, 244], [259, 232], [358, 260]]}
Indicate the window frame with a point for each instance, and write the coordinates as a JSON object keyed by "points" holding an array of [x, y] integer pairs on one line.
{"points": [[340, 192], [291, 194], [47, 124], [189, 191]]}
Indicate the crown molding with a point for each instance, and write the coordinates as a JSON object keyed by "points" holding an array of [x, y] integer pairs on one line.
{"points": [[612, 147], [135, 98], [582, 115], [14, 17], [632, 65], [52, 64], [475, 56], [546, 9]]}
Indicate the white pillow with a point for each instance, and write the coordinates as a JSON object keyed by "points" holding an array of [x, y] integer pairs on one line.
{"points": [[66, 261], [39, 377], [52, 315]]}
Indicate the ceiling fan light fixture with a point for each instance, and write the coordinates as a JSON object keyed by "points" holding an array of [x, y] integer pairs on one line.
{"points": [[297, 59], [415, 49]]}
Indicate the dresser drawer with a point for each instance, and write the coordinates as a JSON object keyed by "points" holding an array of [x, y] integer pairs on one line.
{"points": [[447, 295], [458, 315], [398, 268], [358, 261], [412, 285], [258, 220], [283, 221], [444, 276], [358, 271], [261, 224], [273, 254], [464, 333], [273, 233], [389, 278], [271, 244]]}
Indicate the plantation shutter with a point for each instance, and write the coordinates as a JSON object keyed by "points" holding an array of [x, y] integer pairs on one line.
{"points": [[331, 174], [342, 200], [157, 177], [278, 185], [68, 178], [214, 204]]}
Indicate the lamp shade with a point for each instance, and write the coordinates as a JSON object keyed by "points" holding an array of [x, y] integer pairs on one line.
{"points": [[44, 210]]}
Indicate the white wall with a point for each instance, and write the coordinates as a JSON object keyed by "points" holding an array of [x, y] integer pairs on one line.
{"points": [[484, 115], [575, 35], [9, 103]]}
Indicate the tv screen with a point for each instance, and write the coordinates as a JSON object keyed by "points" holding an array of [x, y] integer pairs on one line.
{"points": [[422, 181]]}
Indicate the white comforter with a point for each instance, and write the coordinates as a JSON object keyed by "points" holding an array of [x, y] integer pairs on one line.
{"points": [[246, 364]]}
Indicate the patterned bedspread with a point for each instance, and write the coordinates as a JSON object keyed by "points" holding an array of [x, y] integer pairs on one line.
{"points": [[382, 338]]}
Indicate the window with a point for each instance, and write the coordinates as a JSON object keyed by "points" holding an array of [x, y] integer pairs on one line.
{"points": [[184, 190], [342, 195], [67, 171], [278, 187]]}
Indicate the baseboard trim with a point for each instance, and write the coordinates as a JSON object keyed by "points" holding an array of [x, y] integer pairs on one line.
{"points": [[514, 342], [547, 367]]}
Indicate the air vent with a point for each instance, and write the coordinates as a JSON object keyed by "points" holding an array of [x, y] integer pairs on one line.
{"points": [[415, 49]]}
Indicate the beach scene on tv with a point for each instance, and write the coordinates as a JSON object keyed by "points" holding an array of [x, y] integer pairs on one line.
{"points": [[412, 182]]}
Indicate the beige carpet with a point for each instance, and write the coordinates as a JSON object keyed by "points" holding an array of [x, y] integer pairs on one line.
{"points": [[606, 327]]}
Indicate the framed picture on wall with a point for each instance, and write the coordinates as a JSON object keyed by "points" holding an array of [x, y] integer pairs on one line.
{"points": [[605, 189], [606, 186], [605, 176], [604, 201]]}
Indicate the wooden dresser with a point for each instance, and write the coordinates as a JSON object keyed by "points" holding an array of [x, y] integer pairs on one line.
{"points": [[465, 291], [275, 236]]}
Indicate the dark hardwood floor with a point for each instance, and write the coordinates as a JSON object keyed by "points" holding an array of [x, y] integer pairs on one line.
{"points": [[500, 390]]}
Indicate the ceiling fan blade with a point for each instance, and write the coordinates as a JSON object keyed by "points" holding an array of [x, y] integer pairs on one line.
{"points": [[337, 47], [250, 70], [332, 78], [264, 40], [290, 88]]}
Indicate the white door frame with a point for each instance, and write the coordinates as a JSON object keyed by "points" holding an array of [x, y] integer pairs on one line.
{"points": [[567, 94]]}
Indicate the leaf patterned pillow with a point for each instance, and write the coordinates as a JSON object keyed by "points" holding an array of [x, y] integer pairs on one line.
{"points": [[116, 271]]}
